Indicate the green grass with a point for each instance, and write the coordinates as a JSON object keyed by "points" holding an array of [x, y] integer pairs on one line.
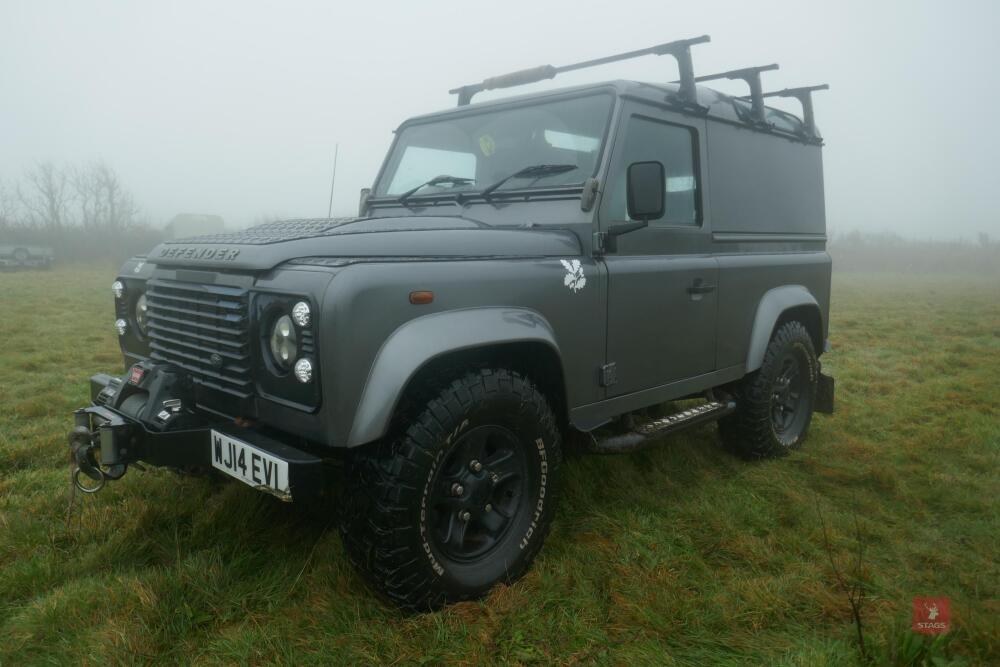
{"points": [[681, 555]]}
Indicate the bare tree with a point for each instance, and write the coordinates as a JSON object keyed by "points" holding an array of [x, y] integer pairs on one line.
{"points": [[87, 191], [45, 197], [8, 207], [101, 199]]}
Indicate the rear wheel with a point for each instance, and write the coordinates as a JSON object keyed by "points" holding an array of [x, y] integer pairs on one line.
{"points": [[462, 500], [775, 403]]}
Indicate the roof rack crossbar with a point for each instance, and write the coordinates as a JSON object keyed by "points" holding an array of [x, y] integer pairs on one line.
{"points": [[680, 50], [804, 96], [751, 75]]}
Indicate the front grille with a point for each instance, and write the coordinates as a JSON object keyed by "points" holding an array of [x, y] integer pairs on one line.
{"points": [[203, 329]]}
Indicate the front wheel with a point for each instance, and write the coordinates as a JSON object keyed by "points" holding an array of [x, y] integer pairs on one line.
{"points": [[462, 500], [775, 403]]}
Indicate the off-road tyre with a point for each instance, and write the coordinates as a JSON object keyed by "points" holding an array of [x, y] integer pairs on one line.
{"points": [[754, 430], [391, 517]]}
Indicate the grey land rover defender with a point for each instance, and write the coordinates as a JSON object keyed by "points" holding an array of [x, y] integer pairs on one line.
{"points": [[525, 275]]}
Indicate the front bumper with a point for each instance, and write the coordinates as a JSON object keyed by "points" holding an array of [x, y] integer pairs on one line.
{"points": [[146, 416]]}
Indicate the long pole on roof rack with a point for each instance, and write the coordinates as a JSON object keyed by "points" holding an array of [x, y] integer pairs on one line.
{"points": [[333, 179], [680, 50]]}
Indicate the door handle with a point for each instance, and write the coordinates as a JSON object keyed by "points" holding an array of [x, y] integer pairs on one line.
{"points": [[699, 287]]}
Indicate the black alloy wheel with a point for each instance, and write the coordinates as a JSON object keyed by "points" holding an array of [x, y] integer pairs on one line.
{"points": [[477, 492]]}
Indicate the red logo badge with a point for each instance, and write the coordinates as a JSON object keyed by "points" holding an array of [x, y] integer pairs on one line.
{"points": [[135, 375], [931, 616]]}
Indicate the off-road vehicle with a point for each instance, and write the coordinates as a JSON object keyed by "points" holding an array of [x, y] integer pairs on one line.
{"points": [[524, 275]]}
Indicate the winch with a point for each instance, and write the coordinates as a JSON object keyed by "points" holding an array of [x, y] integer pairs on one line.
{"points": [[151, 403]]}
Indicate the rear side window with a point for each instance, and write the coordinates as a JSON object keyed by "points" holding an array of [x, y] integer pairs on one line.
{"points": [[674, 146]]}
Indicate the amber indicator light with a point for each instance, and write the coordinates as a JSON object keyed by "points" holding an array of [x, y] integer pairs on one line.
{"points": [[421, 297]]}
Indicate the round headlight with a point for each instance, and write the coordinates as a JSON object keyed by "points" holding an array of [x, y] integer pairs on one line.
{"points": [[121, 326], [118, 287], [284, 346], [300, 313], [141, 319], [303, 370]]}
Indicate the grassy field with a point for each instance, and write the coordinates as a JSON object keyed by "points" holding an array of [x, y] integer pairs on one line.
{"points": [[681, 555]]}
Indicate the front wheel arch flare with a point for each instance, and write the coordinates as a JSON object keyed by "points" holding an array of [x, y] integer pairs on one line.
{"points": [[423, 340]]}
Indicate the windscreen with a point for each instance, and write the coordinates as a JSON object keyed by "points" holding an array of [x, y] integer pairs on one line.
{"points": [[488, 146]]}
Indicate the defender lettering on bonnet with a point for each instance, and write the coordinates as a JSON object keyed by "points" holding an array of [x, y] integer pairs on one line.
{"points": [[684, 275], [192, 252]]}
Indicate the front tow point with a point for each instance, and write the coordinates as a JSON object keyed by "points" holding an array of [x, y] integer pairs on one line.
{"points": [[81, 446], [83, 449]]}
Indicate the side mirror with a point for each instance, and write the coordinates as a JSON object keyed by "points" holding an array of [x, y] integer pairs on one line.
{"points": [[644, 184]]}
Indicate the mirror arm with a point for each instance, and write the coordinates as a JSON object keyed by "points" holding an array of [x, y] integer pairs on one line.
{"points": [[610, 240], [618, 230]]}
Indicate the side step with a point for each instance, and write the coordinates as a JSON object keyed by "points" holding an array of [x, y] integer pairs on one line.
{"points": [[641, 436]]}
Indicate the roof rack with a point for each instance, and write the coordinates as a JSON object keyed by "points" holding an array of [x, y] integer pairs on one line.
{"points": [[804, 96], [680, 50], [752, 77]]}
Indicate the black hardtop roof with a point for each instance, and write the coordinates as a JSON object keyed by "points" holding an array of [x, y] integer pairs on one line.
{"points": [[714, 105]]}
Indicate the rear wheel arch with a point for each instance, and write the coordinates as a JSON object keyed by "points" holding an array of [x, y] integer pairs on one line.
{"points": [[777, 307], [809, 316]]}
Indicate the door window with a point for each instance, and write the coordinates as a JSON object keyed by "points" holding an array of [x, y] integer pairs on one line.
{"points": [[674, 146]]}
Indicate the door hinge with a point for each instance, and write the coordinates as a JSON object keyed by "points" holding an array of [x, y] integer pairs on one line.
{"points": [[609, 375], [600, 243]]}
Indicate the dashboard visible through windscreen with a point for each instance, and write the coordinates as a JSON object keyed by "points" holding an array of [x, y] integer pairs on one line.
{"points": [[491, 145]]}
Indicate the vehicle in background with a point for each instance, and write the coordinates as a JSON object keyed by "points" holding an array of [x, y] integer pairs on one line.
{"points": [[13, 255], [184, 225]]}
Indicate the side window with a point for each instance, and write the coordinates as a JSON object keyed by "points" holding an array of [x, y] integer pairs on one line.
{"points": [[674, 146]]}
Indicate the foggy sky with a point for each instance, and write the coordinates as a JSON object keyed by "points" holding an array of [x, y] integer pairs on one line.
{"points": [[234, 107]]}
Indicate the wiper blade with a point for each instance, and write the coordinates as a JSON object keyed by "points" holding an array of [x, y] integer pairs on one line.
{"points": [[437, 180], [535, 170]]}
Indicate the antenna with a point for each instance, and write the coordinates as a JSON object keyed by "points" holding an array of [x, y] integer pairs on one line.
{"points": [[680, 50], [752, 77], [804, 96], [333, 179]]}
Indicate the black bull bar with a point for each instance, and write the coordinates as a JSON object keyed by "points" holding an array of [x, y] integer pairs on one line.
{"points": [[104, 442]]}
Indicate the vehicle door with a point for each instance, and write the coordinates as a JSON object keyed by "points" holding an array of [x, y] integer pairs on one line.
{"points": [[661, 279]]}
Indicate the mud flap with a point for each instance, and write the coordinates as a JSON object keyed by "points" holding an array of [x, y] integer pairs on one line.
{"points": [[824, 394]]}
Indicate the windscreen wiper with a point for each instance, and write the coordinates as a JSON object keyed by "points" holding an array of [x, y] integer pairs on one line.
{"points": [[535, 170], [437, 180]]}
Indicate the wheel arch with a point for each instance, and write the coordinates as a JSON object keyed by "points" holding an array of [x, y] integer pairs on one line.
{"points": [[778, 306], [437, 345]]}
